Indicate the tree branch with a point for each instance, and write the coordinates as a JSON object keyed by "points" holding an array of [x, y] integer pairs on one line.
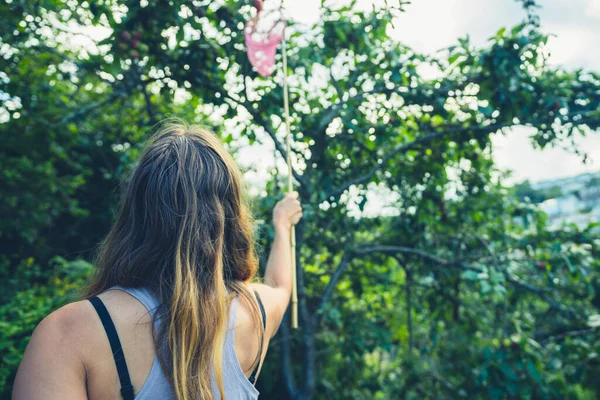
{"points": [[331, 112], [429, 136], [409, 250], [403, 148], [87, 109], [278, 145], [335, 277], [149, 109], [540, 292], [286, 359], [305, 320], [408, 294], [266, 126], [563, 335]]}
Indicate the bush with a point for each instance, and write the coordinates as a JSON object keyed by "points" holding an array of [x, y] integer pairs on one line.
{"points": [[21, 314]]}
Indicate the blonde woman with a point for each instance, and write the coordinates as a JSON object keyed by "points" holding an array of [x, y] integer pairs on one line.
{"points": [[171, 312]]}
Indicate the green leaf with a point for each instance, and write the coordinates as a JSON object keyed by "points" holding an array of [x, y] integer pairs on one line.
{"points": [[487, 353], [572, 268], [508, 372], [487, 110], [533, 372], [470, 275]]}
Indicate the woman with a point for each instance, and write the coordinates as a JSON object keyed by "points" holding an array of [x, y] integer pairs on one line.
{"points": [[171, 311]]}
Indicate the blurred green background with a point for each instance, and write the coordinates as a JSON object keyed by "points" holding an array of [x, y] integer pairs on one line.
{"points": [[423, 274]]}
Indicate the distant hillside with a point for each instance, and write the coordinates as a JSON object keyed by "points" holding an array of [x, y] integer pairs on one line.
{"points": [[567, 200]]}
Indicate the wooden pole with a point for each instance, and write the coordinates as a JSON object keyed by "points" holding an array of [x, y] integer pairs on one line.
{"points": [[288, 142]]}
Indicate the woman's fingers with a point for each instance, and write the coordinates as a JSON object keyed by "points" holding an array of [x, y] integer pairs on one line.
{"points": [[288, 210], [296, 217]]}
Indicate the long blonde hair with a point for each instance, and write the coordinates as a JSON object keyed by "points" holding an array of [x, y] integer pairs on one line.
{"points": [[184, 231]]}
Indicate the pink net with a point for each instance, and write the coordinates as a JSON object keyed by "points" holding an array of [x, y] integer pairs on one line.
{"points": [[262, 45]]}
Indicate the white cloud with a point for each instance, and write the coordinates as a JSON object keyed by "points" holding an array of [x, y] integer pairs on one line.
{"points": [[304, 11], [570, 46], [593, 9], [515, 152]]}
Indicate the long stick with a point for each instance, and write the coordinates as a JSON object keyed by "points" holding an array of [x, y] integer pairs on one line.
{"points": [[288, 142]]}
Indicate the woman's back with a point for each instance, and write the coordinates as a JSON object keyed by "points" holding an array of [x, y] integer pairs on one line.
{"points": [[148, 378], [69, 356]]}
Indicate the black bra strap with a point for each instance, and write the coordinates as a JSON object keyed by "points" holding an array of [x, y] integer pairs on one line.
{"points": [[252, 377], [117, 349]]}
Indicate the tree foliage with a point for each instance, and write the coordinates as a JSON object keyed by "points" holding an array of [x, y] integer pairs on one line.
{"points": [[454, 289]]}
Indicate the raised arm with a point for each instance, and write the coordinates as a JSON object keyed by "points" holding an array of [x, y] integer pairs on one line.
{"points": [[277, 288]]}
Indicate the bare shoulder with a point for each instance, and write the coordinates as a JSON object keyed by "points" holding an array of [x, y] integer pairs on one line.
{"points": [[68, 317], [54, 358], [72, 330], [67, 326]]}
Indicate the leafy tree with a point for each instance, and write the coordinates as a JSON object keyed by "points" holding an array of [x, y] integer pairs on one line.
{"points": [[459, 290]]}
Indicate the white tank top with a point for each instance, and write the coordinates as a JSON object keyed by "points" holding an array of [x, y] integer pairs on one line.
{"points": [[235, 383]]}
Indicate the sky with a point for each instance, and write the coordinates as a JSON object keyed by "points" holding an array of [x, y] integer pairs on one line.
{"points": [[432, 25]]}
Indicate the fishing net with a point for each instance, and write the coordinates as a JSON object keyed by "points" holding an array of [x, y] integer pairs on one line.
{"points": [[262, 34]]}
